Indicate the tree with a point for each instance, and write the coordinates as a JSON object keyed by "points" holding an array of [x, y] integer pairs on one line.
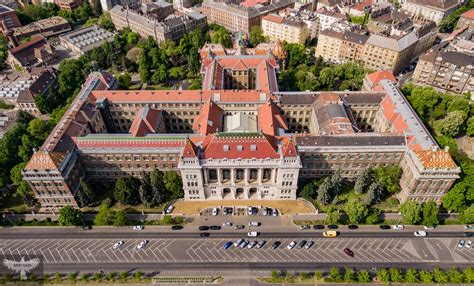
{"points": [[327, 77], [85, 195], [334, 274], [309, 191], [275, 275], [152, 189], [336, 183], [173, 184], [469, 275], [439, 276], [126, 190], [363, 276], [411, 276], [454, 276], [395, 275], [451, 125], [430, 213], [374, 194], [373, 217], [356, 211], [467, 216], [411, 212], [124, 81], [455, 199], [324, 196], [3, 51], [256, 36], [221, 36], [105, 215], [389, 178], [470, 127], [332, 215], [143, 67], [348, 275], [363, 181], [167, 219], [69, 216], [383, 275]]}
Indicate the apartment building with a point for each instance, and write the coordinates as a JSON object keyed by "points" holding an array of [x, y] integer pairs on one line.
{"points": [[284, 29], [326, 18], [68, 5], [233, 143], [8, 19], [236, 17], [46, 27], [156, 19], [434, 10], [34, 53], [45, 79]]}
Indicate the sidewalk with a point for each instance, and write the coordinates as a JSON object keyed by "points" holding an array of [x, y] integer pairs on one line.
{"points": [[87, 216]]}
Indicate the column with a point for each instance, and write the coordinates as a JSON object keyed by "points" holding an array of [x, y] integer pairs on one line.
{"points": [[219, 176], [259, 176], [232, 176], [246, 175], [272, 177], [206, 176]]}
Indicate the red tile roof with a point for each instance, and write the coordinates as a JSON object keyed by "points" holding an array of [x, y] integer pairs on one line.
{"points": [[436, 159], [124, 141], [252, 3], [288, 148], [189, 150], [468, 14], [238, 145], [270, 119], [273, 18], [209, 119], [43, 160], [377, 76], [146, 121]]}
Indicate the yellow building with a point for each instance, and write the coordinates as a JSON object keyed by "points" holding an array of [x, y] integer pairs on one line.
{"points": [[284, 29]]}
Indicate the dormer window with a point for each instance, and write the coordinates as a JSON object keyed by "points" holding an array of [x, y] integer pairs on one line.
{"points": [[226, 148], [240, 147], [253, 147]]}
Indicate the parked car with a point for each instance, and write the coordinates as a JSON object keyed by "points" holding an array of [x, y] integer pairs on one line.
{"points": [[330, 233], [227, 223], [469, 226], [348, 252], [397, 227], [309, 244], [240, 226], [244, 244], [215, 211], [429, 227], [461, 243], [118, 244], [275, 212], [169, 209], [239, 242], [215, 227], [384, 226], [203, 227], [142, 244], [252, 244], [261, 244], [177, 227], [318, 226], [252, 210], [301, 244], [332, 226], [227, 245], [254, 224], [252, 234], [469, 234], [352, 226], [138, 227], [291, 245], [276, 244], [468, 244], [420, 233], [304, 227], [227, 211], [204, 234]]}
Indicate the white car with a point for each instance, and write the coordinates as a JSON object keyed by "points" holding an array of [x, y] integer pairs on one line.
{"points": [[227, 223], [461, 243], [468, 244], [254, 224], [142, 244], [137, 227], [118, 244], [397, 227], [252, 234], [169, 209], [420, 233], [215, 211], [252, 244], [291, 245], [275, 212], [238, 242], [429, 227]]}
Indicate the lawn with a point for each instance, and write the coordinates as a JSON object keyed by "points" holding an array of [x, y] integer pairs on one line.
{"points": [[14, 203]]}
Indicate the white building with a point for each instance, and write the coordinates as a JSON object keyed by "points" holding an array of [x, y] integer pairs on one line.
{"points": [[434, 10]]}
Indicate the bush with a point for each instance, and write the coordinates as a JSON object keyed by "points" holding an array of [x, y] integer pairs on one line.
{"points": [[363, 276]]}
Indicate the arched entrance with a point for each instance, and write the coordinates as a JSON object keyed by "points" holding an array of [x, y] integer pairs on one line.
{"points": [[227, 193], [239, 193], [252, 193]]}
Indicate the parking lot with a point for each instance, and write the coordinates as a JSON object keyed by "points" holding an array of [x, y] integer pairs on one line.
{"points": [[211, 250]]}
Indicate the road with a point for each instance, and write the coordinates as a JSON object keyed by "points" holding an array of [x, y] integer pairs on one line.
{"points": [[71, 249]]}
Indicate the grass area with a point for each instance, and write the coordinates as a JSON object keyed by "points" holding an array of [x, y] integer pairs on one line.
{"points": [[161, 86], [14, 203], [135, 86]]}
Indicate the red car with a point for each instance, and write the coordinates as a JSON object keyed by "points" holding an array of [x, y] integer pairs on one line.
{"points": [[348, 252]]}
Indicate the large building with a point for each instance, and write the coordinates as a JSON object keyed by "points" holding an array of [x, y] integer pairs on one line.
{"points": [[45, 27], [284, 29], [236, 17], [434, 10], [157, 20], [84, 40], [36, 52], [467, 19], [8, 19], [236, 143]]}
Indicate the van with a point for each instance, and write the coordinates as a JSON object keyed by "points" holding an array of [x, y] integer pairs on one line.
{"points": [[254, 224], [330, 233]]}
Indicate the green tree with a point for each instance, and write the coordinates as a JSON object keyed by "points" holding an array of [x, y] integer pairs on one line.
{"points": [[363, 181], [137, 275], [363, 276], [173, 184], [69, 216], [383, 275], [395, 275], [123, 276], [430, 213], [467, 216], [451, 125], [167, 219], [309, 191], [439, 276], [72, 277], [105, 215], [468, 275], [470, 127], [332, 215], [334, 275], [373, 217], [324, 195], [126, 190], [411, 276], [374, 194], [389, 178], [275, 275], [256, 36], [356, 211], [85, 195], [152, 189], [455, 276], [3, 52], [455, 199], [411, 212], [124, 81], [221, 36], [143, 67], [120, 218], [348, 275]]}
